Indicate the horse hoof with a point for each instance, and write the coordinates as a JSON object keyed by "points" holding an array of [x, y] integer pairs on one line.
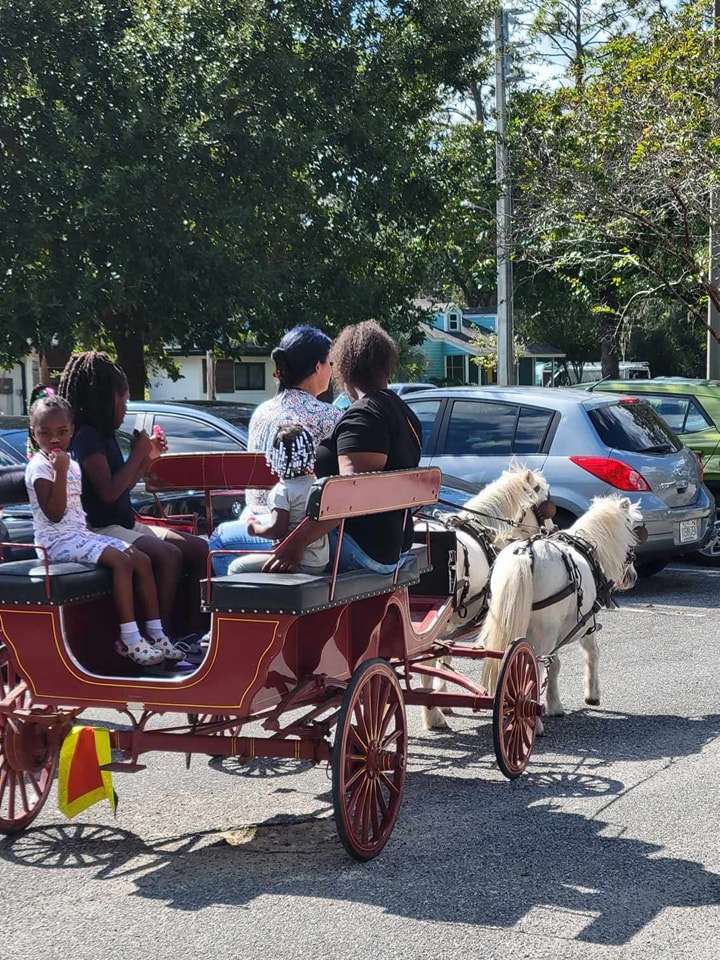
{"points": [[448, 711], [434, 720], [592, 701], [540, 730]]}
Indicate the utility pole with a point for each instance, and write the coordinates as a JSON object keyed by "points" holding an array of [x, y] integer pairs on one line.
{"points": [[503, 211], [713, 319], [210, 374]]}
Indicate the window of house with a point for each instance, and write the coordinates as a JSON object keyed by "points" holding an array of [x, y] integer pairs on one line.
{"points": [[453, 321], [455, 368], [249, 376]]}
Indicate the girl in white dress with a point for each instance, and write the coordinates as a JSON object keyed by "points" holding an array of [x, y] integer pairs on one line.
{"points": [[53, 483]]}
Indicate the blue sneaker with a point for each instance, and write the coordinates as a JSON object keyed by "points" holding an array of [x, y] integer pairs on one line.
{"points": [[192, 647]]}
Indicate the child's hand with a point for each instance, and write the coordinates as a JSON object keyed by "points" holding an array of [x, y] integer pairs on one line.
{"points": [[251, 526], [60, 461], [141, 444], [159, 442]]}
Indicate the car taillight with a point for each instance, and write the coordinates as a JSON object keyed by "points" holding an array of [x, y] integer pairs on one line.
{"points": [[614, 472]]}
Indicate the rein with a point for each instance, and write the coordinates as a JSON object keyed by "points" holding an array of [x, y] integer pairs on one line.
{"points": [[491, 516]]}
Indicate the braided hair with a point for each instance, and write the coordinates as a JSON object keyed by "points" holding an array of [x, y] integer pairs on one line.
{"points": [[43, 399], [292, 453], [90, 382]]}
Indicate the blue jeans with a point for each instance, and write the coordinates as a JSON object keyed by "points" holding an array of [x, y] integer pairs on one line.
{"points": [[233, 535], [353, 557]]}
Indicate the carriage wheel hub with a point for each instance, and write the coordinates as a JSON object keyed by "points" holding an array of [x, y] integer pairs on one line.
{"points": [[26, 745]]}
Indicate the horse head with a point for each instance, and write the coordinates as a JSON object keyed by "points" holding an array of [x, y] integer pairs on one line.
{"points": [[512, 507], [614, 526]]}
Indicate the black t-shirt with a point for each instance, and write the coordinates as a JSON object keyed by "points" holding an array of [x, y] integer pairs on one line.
{"points": [[86, 441], [378, 423]]}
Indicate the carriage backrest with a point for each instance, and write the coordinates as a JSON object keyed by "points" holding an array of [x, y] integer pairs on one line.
{"points": [[335, 498], [208, 472], [331, 498]]}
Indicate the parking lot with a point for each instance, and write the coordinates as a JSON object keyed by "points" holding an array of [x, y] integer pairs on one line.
{"points": [[606, 847]]}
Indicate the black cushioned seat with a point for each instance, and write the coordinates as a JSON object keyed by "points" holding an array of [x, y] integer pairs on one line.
{"points": [[294, 593], [23, 582]]}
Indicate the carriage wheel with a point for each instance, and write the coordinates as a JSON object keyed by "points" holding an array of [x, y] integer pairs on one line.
{"points": [[516, 708], [28, 757], [368, 761]]}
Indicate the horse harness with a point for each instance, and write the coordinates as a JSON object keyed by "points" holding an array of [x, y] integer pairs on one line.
{"points": [[603, 586], [461, 586]]}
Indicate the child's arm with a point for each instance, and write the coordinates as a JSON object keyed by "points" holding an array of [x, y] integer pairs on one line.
{"points": [[52, 494], [275, 530], [108, 486]]}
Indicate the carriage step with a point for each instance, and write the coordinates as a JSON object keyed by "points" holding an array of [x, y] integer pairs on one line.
{"points": [[119, 767]]}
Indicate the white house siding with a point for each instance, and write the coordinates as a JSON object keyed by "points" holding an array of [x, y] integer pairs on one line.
{"points": [[190, 385]]}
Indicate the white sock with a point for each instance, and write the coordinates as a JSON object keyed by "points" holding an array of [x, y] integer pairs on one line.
{"points": [[129, 634], [154, 629]]}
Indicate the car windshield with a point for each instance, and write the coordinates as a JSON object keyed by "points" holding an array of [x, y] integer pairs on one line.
{"points": [[634, 426]]}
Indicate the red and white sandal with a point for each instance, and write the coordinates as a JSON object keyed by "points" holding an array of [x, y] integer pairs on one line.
{"points": [[143, 653], [169, 651]]}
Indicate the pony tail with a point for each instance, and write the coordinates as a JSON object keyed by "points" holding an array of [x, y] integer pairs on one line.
{"points": [[40, 391], [284, 370]]}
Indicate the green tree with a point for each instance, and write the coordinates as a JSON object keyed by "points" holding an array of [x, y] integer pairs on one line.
{"points": [[201, 172], [617, 176]]}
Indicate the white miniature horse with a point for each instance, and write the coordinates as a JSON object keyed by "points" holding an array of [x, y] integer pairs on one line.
{"points": [[526, 575], [512, 507]]}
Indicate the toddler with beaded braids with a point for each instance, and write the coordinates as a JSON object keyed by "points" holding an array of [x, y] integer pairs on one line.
{"points": [[292, 459]]}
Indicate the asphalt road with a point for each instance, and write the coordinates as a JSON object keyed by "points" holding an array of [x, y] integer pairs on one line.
{"points": [[607, 847]]}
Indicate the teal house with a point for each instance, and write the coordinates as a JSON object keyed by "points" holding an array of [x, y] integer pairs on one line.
{"points": [[453, 343]]}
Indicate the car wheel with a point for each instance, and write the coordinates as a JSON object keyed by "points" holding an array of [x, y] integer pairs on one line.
{"points": [[564, 519], [709, 556], [650, 567]]}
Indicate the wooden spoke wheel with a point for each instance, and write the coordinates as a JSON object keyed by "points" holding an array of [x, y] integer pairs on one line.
{"points": [[368, 762], [516, 708], [28, 757]]}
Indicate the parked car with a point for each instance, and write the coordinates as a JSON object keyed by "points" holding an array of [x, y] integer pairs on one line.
{"points": [[196, 427], [691, 408], [402, 389], [586, 444], [13, 441]]}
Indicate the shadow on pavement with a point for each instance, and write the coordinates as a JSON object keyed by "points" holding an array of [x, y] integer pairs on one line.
{"points": [[516, 859]]}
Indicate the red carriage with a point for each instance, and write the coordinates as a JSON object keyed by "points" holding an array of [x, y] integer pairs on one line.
{"points": [[326, 664]]}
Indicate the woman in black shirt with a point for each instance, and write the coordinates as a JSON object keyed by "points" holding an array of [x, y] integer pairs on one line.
{"points": [[378, 432]]}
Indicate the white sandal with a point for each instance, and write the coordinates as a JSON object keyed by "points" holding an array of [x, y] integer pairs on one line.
{"points": [[143, 653], [169, 651]]}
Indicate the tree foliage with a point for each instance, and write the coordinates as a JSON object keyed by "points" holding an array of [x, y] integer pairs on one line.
{"points": [[201, 171], [617, 175]]}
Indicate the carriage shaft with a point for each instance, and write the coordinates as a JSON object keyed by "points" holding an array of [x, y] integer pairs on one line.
{"points": [[446, 698]]}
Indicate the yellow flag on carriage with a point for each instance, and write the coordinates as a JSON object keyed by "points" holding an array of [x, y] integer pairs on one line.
{"points": [[81, 781]]}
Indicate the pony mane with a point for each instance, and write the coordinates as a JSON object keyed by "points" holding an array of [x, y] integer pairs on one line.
{"points": [[510, 496], [609, 526]]}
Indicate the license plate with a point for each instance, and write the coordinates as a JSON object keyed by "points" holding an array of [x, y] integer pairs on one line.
{"points": [[688, 531]]}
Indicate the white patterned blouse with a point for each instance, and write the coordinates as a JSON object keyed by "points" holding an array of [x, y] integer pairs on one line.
{"points": [[289, 406]]}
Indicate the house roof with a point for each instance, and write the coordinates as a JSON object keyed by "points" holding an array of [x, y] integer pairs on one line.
{"points": [[434, 306], [459, 339]]}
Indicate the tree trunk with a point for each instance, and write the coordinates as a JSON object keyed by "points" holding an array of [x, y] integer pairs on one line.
{"points": [[126, 332]]}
